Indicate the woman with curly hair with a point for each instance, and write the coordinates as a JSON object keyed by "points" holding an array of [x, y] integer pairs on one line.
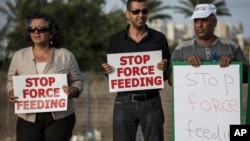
{"points": [[45, 56]]}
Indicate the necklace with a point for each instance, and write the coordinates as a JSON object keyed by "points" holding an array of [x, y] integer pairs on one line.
{"points": [[40, 56]]}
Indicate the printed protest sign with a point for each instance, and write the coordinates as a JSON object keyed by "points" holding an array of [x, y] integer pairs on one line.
{"points": [[40, 93], [135, 71], [207, 100]]}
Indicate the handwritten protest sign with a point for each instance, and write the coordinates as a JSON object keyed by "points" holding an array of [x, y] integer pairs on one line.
{"points": [[135, 71], [40, 93], [207, 99]]}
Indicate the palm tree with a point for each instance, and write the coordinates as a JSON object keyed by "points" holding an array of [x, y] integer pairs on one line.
{"points": [[155, 7], [188, 7]]}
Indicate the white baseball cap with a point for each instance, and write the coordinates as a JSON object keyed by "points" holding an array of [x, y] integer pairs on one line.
{"points": [[203, 11]]}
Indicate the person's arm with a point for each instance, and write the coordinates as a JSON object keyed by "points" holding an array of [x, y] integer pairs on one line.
{"points": [[166, 58], [111, 49], [170, 79], [240, 56], [245, 73], [9, 86], [75, 78]]}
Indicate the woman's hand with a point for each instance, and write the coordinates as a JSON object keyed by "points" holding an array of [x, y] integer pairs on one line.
{"points": [[12, 98], [70, 91]]}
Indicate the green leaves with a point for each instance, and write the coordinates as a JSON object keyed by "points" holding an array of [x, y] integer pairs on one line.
{"points": [[87, 28]]}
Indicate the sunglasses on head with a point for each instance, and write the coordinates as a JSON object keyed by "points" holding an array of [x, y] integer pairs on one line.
{"points": [[137, 11], [38, 29]]}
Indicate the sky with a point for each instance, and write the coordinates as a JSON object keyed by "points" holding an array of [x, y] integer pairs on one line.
{"points": [[239, 10]]}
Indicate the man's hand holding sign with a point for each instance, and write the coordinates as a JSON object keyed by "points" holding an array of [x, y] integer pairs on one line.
{"points": [[135, 71], [40, 93], [137, 58]]}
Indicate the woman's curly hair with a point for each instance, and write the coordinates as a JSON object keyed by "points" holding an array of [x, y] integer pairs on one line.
{"points": [[54, 28]]}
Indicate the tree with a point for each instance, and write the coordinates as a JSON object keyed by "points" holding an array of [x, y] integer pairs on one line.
{"points": [[13, 30], [187, 7], [155, 8], [15, 12], [87, 28]]}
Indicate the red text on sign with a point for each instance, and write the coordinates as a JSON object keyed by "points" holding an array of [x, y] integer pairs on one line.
{"points": [[135, 71], [40, 104], [37, 81], [138, 59], [136, 82], [213, 104], [39, 93]]}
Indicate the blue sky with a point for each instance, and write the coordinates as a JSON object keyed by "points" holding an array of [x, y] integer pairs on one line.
{"points": [[239, 10]]}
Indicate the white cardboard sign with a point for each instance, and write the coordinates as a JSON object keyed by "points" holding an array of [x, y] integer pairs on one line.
{"points": [[135, 71], [207, 99], [40, 93]]}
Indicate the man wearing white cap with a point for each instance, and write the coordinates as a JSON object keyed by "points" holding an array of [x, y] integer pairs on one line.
{"points": [[203, 11], [206, 46]]}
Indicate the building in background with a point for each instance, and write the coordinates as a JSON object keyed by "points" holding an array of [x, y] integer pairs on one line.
{"points": [[178, 32]]}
